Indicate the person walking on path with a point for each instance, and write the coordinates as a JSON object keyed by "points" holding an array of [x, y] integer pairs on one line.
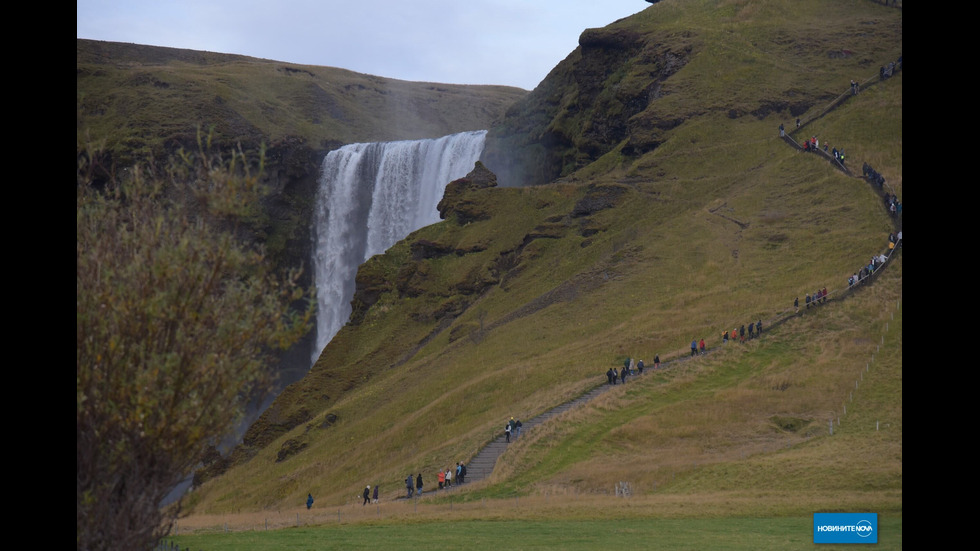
{"points": [[639, 366], [309, 501], [442, 478], [796, 304], [758, 328], [418, 485], [622, 375], [506, 433], [701, 348], [694, 348], [409, 485], [449, 477], [656, 361], [376, 493], [367, 495]]}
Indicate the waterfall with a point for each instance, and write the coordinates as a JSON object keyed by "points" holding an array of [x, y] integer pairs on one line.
{"points": [[372, 195]]}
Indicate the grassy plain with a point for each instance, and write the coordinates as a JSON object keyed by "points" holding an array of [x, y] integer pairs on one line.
{"points": [[683, 534]]}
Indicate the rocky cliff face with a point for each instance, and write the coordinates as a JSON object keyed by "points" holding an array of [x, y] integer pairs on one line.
{"points": [[586, 107]]}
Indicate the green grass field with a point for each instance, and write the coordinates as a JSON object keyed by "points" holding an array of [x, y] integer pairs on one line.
{"points": [[718, 534]]}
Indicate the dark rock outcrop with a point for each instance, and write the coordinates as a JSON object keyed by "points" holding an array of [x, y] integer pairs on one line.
{"points": [[590, 104], [456, 200]]}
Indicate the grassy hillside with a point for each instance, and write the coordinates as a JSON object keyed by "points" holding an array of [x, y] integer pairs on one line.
{"points": [[142, 100], [713, 223]]}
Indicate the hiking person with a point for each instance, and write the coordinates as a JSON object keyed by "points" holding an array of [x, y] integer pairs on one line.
{"points": [[751, 329], [694, 347], [376, 493], [782, 130], [418, 485], [615, 375], [639, 366], [442, 478], [758, 327], [701, 348], [724, 337], [409, 485], [609, 376], [462, 472], [449, 478], [656, 361], [507, 432], [309, 501], [622, 375], [367, 495], [796, 304], [517, 428]]}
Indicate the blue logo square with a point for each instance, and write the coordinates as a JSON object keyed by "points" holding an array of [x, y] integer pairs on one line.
{"points": [[845, 527]]}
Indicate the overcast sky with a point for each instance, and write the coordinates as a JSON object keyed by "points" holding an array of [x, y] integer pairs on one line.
{"points": [[510, 42]]}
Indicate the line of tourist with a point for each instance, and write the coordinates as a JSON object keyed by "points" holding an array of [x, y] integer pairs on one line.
{"points": [[872, 176], [866, 271]]}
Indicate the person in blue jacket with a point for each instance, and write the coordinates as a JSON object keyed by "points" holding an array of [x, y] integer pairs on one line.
{"points": [[309, 501], [694, 347]]}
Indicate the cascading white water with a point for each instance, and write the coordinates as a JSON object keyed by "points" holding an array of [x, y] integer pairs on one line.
{"points": [[371, 196]]}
